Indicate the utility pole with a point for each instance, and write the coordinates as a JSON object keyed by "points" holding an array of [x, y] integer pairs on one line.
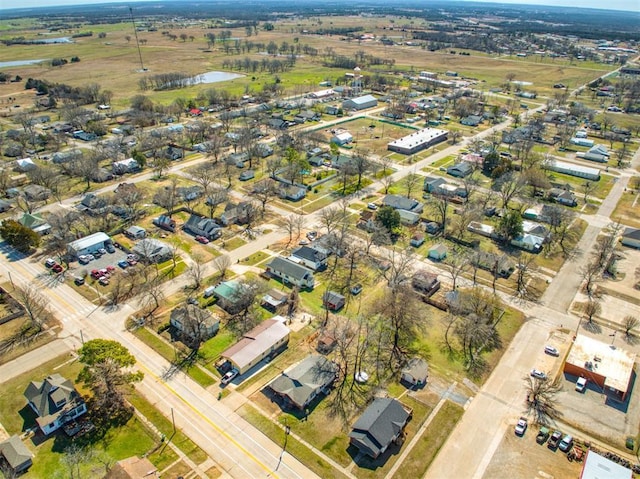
{"points": [[135, 32]]}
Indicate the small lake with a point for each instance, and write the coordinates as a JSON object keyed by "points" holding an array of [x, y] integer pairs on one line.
{"points": [[52, 40], [215, 77], [20, 63]]}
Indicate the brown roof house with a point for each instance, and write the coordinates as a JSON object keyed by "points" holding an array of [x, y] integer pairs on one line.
{"points": [[425, 282], [55, 401], [381, 424], [15, 456]]}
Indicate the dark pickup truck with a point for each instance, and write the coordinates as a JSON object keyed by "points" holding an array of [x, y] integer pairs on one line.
{"points": [[543, 435], [554, 440]]}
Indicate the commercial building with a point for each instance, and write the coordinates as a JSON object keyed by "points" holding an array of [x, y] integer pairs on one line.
{"points": [[360, 103], [88, 244], [609, 368], [418, 141], [599, 467], [573, 170]]}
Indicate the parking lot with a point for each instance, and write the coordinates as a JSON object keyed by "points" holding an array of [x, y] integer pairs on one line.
{"points": [[109, 259], [522, 458]]}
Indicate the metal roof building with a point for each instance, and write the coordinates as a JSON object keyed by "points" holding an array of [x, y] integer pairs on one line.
{"points": [[573, 170], [418, 141], [88, 244], [360, 103]]}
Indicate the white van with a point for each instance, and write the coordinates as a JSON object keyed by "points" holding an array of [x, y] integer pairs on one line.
{"points": [[209, 291]]}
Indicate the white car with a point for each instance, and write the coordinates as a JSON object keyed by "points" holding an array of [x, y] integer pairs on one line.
{"points": [[372, 206], [536, 373], [581, 384], [551, 351], [228, 377], [521, 426]]}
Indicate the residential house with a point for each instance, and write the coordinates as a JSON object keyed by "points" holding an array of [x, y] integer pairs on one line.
{"points": [[125, 166], [153, 250], [293, 192], [16, 455], [432, 227], [193, 322], [268, 338], [536, 229], [67, 156], [101, 175], [417, 240], [36, 192], [307, 115], [499, 265], [235, 213], [292, 273], [481, 229], [381, 424], [342, 138], [94, 205], [24, 165], [460, 170], [431, 183], [437, 252], [229, 295], [425, 283], [331, 110], [333, 301], [398, 202], [301, 383], [415, 372], [360, 103], [190, 193], [340, 161], [417, 141], [200, 226], [631, 237], [564, 197], [409, 218], [310, 257], [84, 135], [135, 232], [165, 222], [55, 401], [133, 468], [274, 299], [35, 222], [471, 120], [528, 242]]}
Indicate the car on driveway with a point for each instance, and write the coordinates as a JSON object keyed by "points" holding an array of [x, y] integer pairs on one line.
{"points": [[521, 426], [550, 350], [202, 239], [56, 268], [372, 206], [229, 375], [536, 373]]}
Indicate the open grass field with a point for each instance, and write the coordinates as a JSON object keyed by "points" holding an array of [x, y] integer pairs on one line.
{"points": [[628, 209]]}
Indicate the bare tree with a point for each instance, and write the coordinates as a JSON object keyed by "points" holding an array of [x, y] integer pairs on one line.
{"points": [[195, 322], [591, 275], [630, 323], [222, 263], [396, 268], [587, 188], [508, 186], [456, 264], [592, 308], [152, 295], [411, 181], [387, 173], [440, 206], [542, 399], [167, 197], [263, 191], [196, 271], [524, 290], [35, 305]]}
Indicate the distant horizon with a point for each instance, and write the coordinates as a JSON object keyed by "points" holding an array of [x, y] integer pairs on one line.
{"points": [[632, 6]]}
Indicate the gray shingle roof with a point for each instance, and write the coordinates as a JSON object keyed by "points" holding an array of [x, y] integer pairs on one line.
{"points": [[45, 394], [379, 424], [300, 382], [289, 268], [15, 452]]}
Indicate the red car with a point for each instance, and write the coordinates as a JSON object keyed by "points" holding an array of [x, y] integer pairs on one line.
{"points": [[56, 268], [111, 269], [202, 239], [95, 274]]}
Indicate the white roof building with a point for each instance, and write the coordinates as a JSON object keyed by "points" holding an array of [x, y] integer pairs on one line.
{"points": [[418, 141], [598, 467], [88, 243]]}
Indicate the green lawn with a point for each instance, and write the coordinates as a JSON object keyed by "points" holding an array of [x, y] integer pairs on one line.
{"points": [[256, 258], [120, 442]]}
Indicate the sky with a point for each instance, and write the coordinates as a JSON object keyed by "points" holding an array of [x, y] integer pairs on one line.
{"points": [[627, 5]]}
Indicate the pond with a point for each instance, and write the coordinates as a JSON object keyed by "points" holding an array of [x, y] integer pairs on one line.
{"points": [[20, 63], [215, 77]]}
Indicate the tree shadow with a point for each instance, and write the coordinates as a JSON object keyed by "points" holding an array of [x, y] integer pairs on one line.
{"points": [[631, 339], [592, 327], [181, 363]]}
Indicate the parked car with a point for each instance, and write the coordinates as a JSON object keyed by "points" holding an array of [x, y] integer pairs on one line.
{"points": [[103, 281], [49, 262], [521, 426], [83, 259], [356, 289], [581, 385], [78, 281], [229, 375], [543, 435], [202, 239], [372, 206], [551, 351], [566, 443], [110, 269], [123, 263], [536, 373], [95, 274], [312, 235], [102, 251], [554, 440], [56, 268], [110, 248]]}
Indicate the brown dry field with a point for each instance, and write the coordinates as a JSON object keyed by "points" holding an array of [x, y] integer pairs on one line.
{"points": [[113, 62]]}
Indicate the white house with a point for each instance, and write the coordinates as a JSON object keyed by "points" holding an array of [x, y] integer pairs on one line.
{"points": [[343, 138], [289, 272], [631, 237], [309, 257]]}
